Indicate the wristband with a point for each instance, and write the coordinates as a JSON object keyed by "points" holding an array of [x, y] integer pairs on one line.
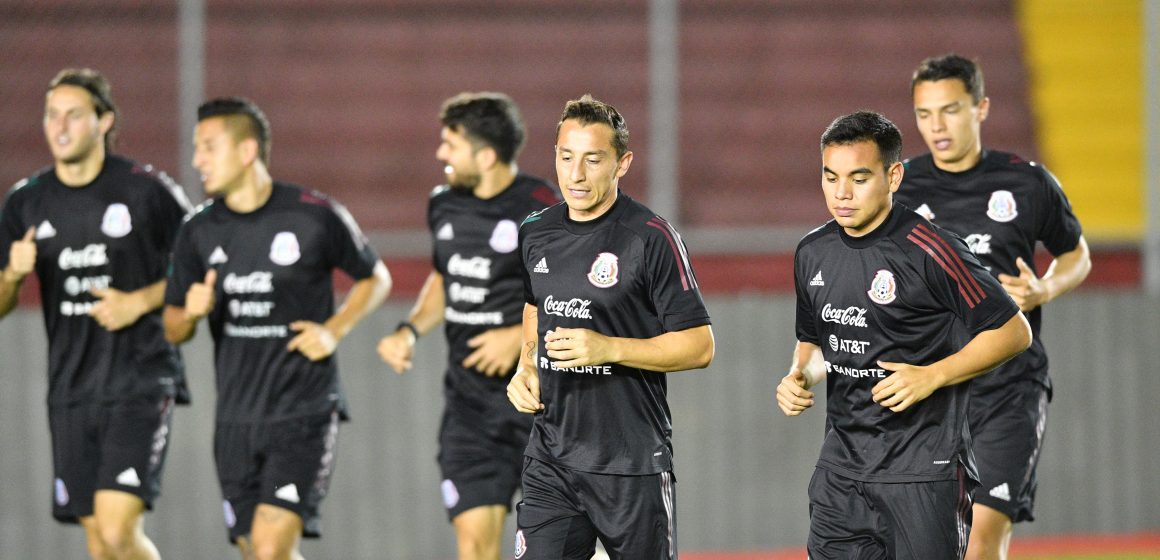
{"points": [[409, 326]]}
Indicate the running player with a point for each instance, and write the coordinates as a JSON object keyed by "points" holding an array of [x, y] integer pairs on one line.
{"points": [[611, 304], [97, 229], [474, 219], [1002, 205], [903, 315], [256, 260]]}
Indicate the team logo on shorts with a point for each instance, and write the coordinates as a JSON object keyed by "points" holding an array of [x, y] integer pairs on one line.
{"points": [[228, 511], [506, 237], [117, 222], [60, 492], [1001, 207], [450, 493], [521, 544], [605, 270], [883, 287], [285, 250]]}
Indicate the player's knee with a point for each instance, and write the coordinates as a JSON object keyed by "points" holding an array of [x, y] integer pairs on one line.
{"points": [[97, 548], [270, 549], [475, 543], [118, 538]]}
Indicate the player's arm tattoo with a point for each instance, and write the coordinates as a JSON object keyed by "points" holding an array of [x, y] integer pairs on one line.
{"points": [[531, 353]]}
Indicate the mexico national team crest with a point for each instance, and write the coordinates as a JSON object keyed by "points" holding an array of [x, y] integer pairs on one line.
{"points": [[1001, 207], [506, 237], [117, 222], [883, 288], [605, 271], [284, 250]]}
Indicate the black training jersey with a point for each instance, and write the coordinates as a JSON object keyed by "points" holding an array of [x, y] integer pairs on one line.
{"points": [[624, 274], [907, 292], [274, 266], [1001, 207], [475, 252], [115, 232]]}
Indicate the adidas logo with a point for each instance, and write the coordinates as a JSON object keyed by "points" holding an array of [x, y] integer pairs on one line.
{"points": [[445, 233], [128, 477], [817, 281], [1002, 492], [925, 212], [218, 256], [45, 230], [542, 266], [288, 493]]}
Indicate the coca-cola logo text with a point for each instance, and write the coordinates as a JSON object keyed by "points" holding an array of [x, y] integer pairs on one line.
{"points": [[574, 308], [91, 255], [252, 283], [852, 316]]}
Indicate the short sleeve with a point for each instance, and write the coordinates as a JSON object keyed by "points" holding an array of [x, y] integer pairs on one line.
{"points": [[1058, 228], [185, 267], [525, 275], [672, 283], [349, 248], [959, 282], [804, 324], [12, 227]]}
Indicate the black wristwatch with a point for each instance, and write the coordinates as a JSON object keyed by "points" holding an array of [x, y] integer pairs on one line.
{"points": [[409, 326]]}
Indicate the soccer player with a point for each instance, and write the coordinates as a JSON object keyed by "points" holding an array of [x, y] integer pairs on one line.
{"points": [[1002, 205], [257, 260], [97, 229], [477, 288], [903, 315], [611, 305]]}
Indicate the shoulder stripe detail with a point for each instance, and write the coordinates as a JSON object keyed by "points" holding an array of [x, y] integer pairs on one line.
{"points": [[678, 247], [972, 283], [950, 262]]}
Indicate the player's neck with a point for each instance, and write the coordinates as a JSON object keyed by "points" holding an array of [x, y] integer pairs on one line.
{"points": [[966, 163], [253, 193], [81, 173], [495, 181]]}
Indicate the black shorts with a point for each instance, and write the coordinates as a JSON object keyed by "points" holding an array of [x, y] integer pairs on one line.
{"points": [[287, 463], [479, 468], [564, 511], [103, 446], [857, 520], [1007, 432]]}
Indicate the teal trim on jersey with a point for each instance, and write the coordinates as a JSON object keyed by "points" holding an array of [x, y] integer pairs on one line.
{"points": [[534, 216]]}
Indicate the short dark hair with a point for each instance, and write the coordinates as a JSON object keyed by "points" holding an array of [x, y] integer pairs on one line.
{"points": [[951, 67], [588, 111], [487, 118], [243, 117], [866, 126], [99, 89]]}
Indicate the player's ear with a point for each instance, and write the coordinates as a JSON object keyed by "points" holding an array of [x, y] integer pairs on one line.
{"points": [[894, 175], [623, 165], [984, 108], [249, 150], [486, 158], [105, 122]]}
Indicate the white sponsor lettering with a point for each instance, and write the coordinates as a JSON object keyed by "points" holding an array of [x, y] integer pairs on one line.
{"points": [[489, 318], [979, 243], [252, 283], [475, 267], [75, 308], [75, 286], [240, 308], [851, 346], [258, 331], [92, 255], [855, 372], [852, 316], [470, 294], [591, 370], [574, 308]]}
